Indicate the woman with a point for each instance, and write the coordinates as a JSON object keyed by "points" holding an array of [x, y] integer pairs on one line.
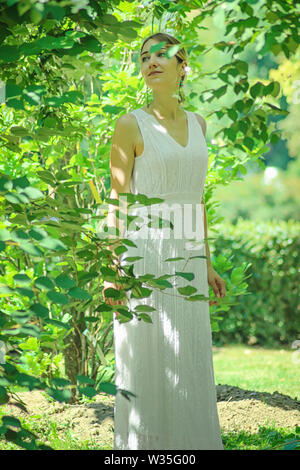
{"points": [[160, 151]]}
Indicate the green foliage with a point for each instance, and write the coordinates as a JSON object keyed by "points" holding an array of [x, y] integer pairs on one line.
{"points": [[64, 89], [36, 335], [267, 314], [260, 197]]}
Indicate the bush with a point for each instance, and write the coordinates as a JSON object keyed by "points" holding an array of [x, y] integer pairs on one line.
{"points": [[269, 314]]}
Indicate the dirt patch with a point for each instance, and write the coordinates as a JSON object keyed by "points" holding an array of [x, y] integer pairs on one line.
{"points": [[246, 410], [238, 410]]}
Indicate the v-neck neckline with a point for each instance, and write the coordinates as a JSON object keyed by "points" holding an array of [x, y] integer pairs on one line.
{"points": [[188, 129]]}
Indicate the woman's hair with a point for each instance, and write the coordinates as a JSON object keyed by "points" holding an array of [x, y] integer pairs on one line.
{"points": [[181, 54]]}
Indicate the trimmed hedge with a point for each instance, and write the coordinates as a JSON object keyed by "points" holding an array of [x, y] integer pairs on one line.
{"points": [[270, 315]]}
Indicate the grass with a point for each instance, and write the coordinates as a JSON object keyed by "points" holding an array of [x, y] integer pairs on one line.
{"points": [[250, 368], [48, 433], [267, 438], [261, 370], [257, 369]]}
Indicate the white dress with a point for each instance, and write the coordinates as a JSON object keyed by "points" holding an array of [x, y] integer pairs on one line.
{"points": [[168, 363]]}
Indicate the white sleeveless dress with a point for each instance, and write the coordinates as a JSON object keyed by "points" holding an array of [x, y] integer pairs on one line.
{"points": [[168, 363]]}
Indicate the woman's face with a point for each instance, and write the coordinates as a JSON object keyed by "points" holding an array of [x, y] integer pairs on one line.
{"points": [[170, 71]]}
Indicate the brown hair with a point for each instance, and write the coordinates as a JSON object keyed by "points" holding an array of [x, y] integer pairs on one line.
{"points": [[181, 54]]}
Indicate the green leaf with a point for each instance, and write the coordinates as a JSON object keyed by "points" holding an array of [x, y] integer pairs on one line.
{"points": [[83, 379], [220, 91], [146, 318], [39, 310], [139, 293], [5, 184], [88, 391], [30, 330], [56, 323], [59, 395], [111, 110], [124, 312], [37, 233], [248, 142], [256, 90], [11, 421], [79, 293], [6, 290], [44, 282], [25, 292], [188, 276], [187, 290], [72, 97], [16, 104], [242, 66], [144, 308], [31, 344], [4, 398], [91, 44], [64, 281], [195, 298], [33, 193], [130, 259], [22, 279], [12, 90], [54, 101], [33, 94], [31, 249], [107, 387], [276, 89], [4, 234], [53, 244], [91, 319], [15, 198], [57, 297], [107, 271], [47, 176], [157, 47], [21, 183], [162, 283], [60, 382], [19, 235], [73, 51]]}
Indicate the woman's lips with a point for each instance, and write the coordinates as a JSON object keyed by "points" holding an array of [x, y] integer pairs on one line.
{"points": [[153, 73]]}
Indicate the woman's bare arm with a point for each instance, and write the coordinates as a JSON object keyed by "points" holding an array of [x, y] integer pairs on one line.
{"points": [[121, 166]]}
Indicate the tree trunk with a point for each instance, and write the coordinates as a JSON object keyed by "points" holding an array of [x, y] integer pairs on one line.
{"points": [[73, 353]]}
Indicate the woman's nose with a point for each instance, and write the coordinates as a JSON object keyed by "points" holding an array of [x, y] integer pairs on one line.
{"points": [[153, 59]]}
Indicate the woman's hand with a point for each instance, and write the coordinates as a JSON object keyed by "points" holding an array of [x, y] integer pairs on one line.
{"points": [[216, 283], [109, 300]]}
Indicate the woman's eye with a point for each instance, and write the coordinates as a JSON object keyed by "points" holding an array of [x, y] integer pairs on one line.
{"points": [[161, 53]]}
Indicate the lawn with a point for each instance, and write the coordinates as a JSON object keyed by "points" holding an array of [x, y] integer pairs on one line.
{"points": [[259, 369]]}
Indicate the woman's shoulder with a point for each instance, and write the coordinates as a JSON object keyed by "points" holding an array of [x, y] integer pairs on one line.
{"points": [[130, 118], [127, 121], [202, 123]]}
